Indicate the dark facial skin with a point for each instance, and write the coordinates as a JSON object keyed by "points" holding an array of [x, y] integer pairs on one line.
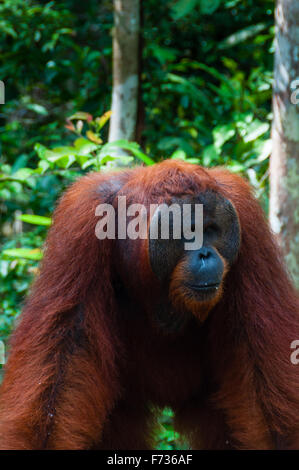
{"points": [[194, 278], [206, 270]]}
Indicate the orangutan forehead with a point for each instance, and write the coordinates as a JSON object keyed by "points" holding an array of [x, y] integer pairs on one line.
{"points": [[214, 205], [208, 197]]}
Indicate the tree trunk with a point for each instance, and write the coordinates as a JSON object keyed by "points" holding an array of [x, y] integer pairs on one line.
{"points": [[125, 70], [284, 162]]}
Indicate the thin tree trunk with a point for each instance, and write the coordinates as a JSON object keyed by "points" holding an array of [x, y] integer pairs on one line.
{"points": [[140, 106], [125, 70], [284, 162]]}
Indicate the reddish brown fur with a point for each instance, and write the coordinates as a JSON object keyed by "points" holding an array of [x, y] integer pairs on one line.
{"points": [[86, 363]]}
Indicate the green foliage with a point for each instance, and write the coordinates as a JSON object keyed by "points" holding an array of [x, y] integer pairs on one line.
{"points": [[35, 219], [168, 438], [207, 73], [17, 269]]}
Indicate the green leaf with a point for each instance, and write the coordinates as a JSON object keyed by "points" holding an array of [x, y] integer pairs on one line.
{"points": [[43, 166], [235, 167], [33, 254], [82, 159], [107, 158], [179, 154], [124, 160], [222, 134], [81, 115], [58, 152], [84, 146], [253, 177], [242, 35], [19, 163], [207, 7], [164, 54], [266, 150], [8, 29], [63, 157], [210, 154], [214, 72], [193, 91], [94, 137], [183, 8], [89, 162], [41, 151], [37, 108], [64, 162], [23, 174], [35, 219], [168, 142], [101, 121], [168, 412], [130, 146], [255, 130]]}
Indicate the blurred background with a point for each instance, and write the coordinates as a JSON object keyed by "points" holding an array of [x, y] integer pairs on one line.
{"points": [[208, 81]]}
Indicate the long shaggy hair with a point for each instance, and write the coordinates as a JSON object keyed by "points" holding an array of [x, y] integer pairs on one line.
{"points": [[88, 362]]}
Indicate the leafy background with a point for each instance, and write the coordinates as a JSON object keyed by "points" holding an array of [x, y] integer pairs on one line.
{"points": [[206, 90]]}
